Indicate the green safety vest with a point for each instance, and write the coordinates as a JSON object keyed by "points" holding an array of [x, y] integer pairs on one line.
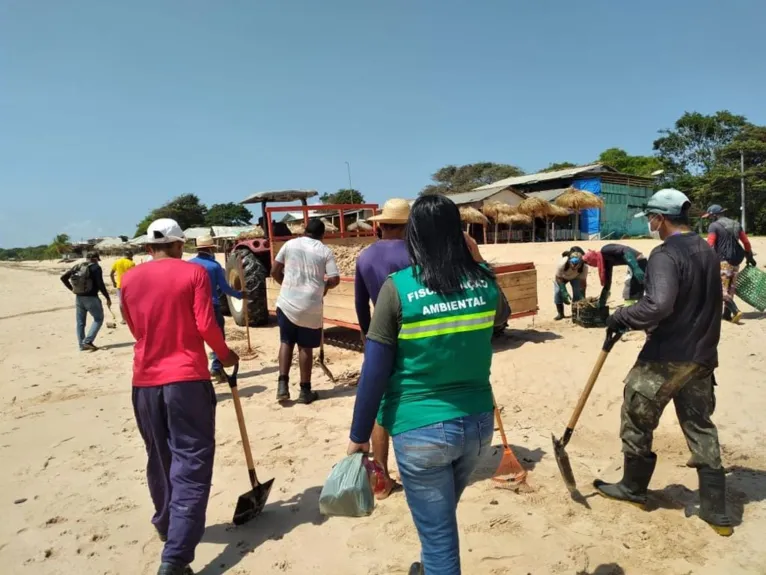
{"points": [[443, 355]]}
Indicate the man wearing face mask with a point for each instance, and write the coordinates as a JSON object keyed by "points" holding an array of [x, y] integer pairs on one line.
{"points": [[724, 236], [571, 270], [680, 312]]}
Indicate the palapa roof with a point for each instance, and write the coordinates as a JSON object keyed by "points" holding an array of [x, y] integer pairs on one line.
{"points": [[473, 216], [109, 243], [195, 232]]}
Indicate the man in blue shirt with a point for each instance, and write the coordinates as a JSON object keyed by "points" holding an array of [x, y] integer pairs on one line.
{"points": [[206, 258]]}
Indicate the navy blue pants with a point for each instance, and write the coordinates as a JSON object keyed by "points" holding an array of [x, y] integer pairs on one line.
{"points": [[177, 424]]}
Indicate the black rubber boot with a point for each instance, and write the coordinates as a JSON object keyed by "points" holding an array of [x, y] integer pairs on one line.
{"points": [[636, 475], [170, 569], [560, 309], [416, 569], [713, 500], [307, 396], [283, 388]]}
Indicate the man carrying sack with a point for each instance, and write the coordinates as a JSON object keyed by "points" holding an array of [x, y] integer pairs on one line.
{"points": [[168, 306], [219, 288], [681, 314], [724, 236]]}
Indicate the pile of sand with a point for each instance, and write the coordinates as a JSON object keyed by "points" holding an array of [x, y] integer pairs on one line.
{"points": [[345, 257]]}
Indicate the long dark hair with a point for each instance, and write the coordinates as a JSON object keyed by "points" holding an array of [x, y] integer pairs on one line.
{"points": [[437, 247]]}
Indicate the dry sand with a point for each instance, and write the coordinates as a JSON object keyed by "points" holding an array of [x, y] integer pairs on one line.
{"points": [[75, 498]]}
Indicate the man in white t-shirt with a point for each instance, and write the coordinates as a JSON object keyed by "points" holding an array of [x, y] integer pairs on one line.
{"points": [[300, 268]]}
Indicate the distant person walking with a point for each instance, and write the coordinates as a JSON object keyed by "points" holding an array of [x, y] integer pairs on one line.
{"points": [[301, 267], [168, 305], [119, 268], [86, 281], [220, 288], [724, 236], [373, 267]]}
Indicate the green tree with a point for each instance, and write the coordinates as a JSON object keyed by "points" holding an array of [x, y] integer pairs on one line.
{"points": [[228, 214], [186, 209], [343, 196], [60, 245], [552, 167], [693, 144], [623, 162], [454, 179], [721, 184]]}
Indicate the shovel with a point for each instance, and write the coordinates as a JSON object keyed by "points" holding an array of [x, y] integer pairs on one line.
{"points": [[249, 505], [509, 472], [559, 445], [322, 364]]}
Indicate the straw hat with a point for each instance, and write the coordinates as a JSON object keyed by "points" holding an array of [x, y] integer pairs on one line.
{"points": [[205, 242], [395, 211]]}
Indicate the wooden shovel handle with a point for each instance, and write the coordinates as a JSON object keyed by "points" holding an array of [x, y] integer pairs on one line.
{"points": [[499, 422], [243, 434], [244, 301]]}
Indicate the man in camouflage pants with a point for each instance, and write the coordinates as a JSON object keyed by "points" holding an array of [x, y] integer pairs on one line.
{"points": [[680, 312]]}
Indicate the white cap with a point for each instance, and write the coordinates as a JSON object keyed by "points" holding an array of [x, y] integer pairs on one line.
{"points": [[164, 231]]}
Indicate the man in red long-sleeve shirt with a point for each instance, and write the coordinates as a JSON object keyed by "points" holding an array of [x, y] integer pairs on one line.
{"points": [[167, 304], [724, 236]]}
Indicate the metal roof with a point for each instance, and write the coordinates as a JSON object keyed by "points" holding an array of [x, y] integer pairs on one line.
{"points": [[194, 233], [279, 196], [549, 195], [544, 176], [478, 195], [139, 241]]}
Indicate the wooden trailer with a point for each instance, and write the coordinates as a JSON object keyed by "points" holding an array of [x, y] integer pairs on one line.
{"points": [[517, 280]]}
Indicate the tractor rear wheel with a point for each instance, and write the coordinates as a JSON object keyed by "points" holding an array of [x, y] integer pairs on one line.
{"points": [[255, 288]]}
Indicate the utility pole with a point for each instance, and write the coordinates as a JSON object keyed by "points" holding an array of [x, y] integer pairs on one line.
{"points": [[742, 186], [350, 187]]}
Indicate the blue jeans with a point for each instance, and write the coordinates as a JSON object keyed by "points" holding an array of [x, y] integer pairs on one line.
{"points": [[576, 291], [216, 364], [84, 305], [435, 463]]}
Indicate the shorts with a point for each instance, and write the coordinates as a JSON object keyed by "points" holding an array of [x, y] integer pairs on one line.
{"points": [[292, 334], [729, 275]]}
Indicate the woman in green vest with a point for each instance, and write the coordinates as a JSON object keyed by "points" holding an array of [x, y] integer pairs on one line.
{"points": [[426, 375]]}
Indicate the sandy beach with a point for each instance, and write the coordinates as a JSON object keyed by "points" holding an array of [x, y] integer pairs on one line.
{"points": [[75, 499]]}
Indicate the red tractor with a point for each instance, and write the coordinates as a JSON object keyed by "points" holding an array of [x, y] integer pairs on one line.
{"points": [[255, 255]]}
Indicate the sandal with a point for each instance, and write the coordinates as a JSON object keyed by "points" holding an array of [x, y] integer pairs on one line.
{"points": [[391, 487]]}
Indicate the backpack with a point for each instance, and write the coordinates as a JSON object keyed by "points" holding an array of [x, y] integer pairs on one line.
{"points": [[80, 278]]}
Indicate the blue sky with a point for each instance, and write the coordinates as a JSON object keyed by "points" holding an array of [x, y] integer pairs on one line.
{"points": [[109, 109]]}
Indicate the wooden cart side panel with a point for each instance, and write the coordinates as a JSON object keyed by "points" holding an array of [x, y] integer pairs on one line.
{"points": [[520, 287]]}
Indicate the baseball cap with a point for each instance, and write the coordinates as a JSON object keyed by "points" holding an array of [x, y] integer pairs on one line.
{"points": [[164, 231], [713, 210], [667, 202], [92, 256]]}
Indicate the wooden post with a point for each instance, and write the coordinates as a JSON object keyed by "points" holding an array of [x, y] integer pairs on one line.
{"points": [[495, 231], [484, 229]]}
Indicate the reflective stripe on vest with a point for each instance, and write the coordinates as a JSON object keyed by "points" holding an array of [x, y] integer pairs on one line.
{"points": [[446, 325]]}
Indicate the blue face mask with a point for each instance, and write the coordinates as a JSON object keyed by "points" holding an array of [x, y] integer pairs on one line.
{"points": [[574, 261]]}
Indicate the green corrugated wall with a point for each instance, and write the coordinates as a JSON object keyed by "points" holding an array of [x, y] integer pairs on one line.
{"points": [[622, 203]]}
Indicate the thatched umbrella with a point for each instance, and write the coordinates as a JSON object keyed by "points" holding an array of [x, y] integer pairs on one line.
{"points": [[511, 219], [535, 208], [473, 216], [495, 209], [578, 200]]}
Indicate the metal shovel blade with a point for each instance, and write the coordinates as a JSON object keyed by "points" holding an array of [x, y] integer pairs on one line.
{"points": [[250, 505], [565, 467]]}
